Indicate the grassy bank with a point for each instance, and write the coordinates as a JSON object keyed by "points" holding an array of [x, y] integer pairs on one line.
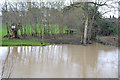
{"points": [[53, 29], [53, 37], [16, 42]]}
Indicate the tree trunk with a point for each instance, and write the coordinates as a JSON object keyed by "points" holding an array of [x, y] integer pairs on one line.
{"points": [[32, 29], [44, 30], [21, 29], [85, 31], [25, 30], [40, 26], [41, 31], [36, 30], [7, 20], [90, 28], [8, 30], [81, 38]]}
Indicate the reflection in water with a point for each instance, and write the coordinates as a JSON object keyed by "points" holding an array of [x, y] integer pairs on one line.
{"points": [[92, 61]]}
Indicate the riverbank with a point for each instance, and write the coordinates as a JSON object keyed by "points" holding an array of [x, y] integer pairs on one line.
{"points": [[17, 42], [58, 39], [108, 40]]}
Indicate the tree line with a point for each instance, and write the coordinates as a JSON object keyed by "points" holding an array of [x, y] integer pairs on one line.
{"points": [[41, 18]]}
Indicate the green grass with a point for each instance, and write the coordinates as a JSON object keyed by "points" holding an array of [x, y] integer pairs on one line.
{"points": [[53, 29], [4, 32], [15, 42]]}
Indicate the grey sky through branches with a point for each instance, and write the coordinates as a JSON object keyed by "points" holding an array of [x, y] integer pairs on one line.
{"points": [[111, 9]]}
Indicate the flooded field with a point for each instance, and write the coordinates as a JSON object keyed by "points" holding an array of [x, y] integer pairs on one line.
{"points": [[60, 61]]}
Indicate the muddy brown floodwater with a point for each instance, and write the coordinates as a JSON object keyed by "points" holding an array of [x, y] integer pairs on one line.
{"points": [[60, 61]]}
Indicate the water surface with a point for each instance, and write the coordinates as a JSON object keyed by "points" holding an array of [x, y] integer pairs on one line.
{"points": [[60, 61]]}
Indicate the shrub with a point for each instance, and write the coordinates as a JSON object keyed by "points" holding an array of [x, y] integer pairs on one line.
{"points": [[108, 28]]}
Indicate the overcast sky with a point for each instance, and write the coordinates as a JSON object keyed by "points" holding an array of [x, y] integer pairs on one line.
{"points": [[103, 9]]}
